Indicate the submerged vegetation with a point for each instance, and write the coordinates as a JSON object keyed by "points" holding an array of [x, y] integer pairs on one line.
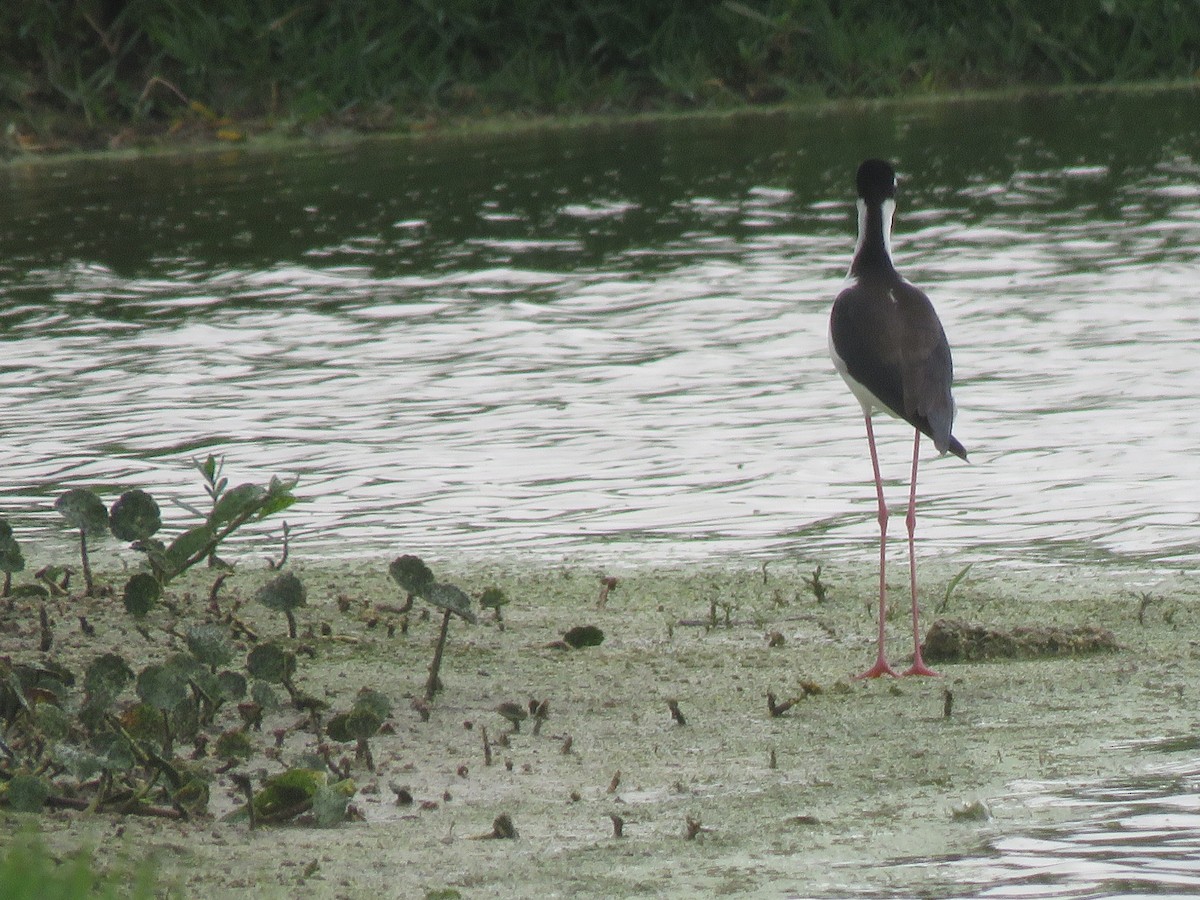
{"points": [[112, 68]]}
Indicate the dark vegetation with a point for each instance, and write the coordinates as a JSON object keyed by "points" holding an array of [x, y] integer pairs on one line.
{"points": [[97, 72], [101, 720]]}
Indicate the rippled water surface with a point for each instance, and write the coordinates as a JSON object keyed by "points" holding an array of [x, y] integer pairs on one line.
{"points": [[613, 341], [1134, 837]]}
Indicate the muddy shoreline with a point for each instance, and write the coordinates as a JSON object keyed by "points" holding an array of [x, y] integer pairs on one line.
{"points": [[815, 802]]}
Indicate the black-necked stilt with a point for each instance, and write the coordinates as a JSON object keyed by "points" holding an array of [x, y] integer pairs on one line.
{"points": [[888, 344]]}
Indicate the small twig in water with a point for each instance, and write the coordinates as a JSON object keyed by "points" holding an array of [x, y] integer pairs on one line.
{"points": [[213, 606], [47, 637], [778, 709], [271, 564], [606, 584], [1145, 599], [540, 714], [618, 825], [673, 705], [502, 828], [243, 782], [819, 591]]}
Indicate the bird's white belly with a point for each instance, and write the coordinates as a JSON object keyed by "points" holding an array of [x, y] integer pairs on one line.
{"points": [[866, 399]]}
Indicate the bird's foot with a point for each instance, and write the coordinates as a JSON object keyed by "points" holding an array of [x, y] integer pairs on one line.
{"points": [[919, 668], [880, 668]]}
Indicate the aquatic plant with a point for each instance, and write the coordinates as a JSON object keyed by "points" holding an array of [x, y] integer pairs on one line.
{"points": [[85, 512], [513, 713], [453, 602], [583, 636], [11, 558], [108, 735], [295, 792], [231, 509], [270, 663], [361, 723], [135, 518], [417, 580], [412, 575], [819, 591], [493, 598], [284, 594]]}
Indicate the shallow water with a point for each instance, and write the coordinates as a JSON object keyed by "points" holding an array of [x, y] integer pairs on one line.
{"points": [[611, 341], [1134, 837]]}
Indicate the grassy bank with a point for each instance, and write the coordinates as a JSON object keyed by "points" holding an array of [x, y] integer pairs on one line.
{"points": [[97, 73]]}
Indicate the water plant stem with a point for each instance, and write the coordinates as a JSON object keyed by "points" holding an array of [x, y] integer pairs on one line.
{"points": [[434, 684]]}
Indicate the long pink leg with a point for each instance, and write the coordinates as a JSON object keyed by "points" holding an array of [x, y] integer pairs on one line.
{"points": [[918, 666], [881, 666]]}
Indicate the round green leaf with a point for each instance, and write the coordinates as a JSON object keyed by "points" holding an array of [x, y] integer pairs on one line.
{"points": [[452, 598], [141, 593], [83, 509], [584, 636], [26, 793], [81, 763], [234, 744], [264, 695], [185, 720], [411, 574], [329, 805], [162, 686], [144, 722], [493, 598], [207, 681], [135, 516], [338, 728], [270, 662], [282, 594], [362, 722], [233, 684], [106, 677], [192, 795], [52, 721], [287, 789], [114, 751], [377, 703], [209, 644]]}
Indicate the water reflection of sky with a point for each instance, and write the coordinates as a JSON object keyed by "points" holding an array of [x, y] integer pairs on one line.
{"points": [[1133, 837], [613, 342]]}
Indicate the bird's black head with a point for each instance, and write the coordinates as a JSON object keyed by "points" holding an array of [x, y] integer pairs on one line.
{"points": [[876, 181]]}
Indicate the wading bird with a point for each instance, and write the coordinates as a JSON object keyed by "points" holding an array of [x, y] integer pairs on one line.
{"points": [[888, 344]]}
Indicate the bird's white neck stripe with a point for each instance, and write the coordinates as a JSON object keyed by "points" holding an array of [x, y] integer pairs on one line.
{"points": [[888, 210]]}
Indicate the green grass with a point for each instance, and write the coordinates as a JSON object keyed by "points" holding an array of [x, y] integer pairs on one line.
{"points": [[28, 871], [378, 63]]}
